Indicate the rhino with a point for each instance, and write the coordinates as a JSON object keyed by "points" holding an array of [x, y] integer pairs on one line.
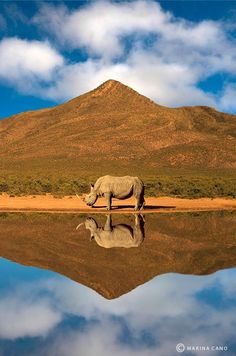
{"points": [[116, 187], [119, 235]]}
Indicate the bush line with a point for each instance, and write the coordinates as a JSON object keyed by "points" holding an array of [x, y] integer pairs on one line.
{"points": [[195, 187]]}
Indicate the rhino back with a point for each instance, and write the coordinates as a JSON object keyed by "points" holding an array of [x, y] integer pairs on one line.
{"points": [[120, 187], [120, 236]]}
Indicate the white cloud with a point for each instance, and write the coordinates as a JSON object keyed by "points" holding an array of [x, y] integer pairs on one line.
{"points": [[100, 25], [182, 53], [24, 316], [22, 60], [99, 340], [167, 84], [172, 307], [76, 299], [228, 99], [137, 43]]}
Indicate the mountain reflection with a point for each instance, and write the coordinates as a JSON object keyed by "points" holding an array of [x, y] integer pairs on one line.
{"points": [[119, 235], [199, 244], [45, 314]]}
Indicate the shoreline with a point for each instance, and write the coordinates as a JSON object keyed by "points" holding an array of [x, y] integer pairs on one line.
{"points": [[72, 204]]}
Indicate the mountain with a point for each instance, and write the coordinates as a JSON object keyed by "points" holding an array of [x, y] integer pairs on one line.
{"points": [[197, 244], [114, 129]]}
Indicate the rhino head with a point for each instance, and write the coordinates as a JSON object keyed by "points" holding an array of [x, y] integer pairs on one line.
{"points": [[91, 198], [91, 225]]}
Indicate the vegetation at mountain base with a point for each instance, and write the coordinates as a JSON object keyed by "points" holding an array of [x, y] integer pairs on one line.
{"points": [[186, 187]]}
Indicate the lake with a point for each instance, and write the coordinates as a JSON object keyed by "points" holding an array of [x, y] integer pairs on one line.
{"points": [[157, 284]]}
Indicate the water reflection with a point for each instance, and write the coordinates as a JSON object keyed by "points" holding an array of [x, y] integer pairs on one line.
{"points": [[118, 235], [197, 244], [45, 314], [48, 315]]}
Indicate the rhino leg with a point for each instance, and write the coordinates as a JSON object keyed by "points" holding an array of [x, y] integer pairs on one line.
{"points": [[138, 219], [108, 198], [108, 224], [137, 205], [142, 205], [138, 192], [139, 228]]}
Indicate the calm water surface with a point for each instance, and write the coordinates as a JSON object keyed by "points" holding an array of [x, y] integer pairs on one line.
{"points": [[100, 285]]}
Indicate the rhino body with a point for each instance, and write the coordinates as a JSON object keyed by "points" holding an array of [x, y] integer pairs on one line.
{"points": [[117, 187], [120, 235]]}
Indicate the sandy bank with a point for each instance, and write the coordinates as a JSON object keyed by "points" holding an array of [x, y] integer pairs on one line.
{"points": [[74, 204]]}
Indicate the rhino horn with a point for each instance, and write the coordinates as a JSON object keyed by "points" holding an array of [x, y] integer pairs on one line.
{"points": [[78, 226], [82, 198]]}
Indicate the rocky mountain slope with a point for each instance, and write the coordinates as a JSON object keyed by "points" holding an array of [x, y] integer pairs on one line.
{"points": [[114, 126]]}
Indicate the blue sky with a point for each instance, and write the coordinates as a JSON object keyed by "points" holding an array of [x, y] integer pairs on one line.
{"points": [[175, 52], [43, 313]]}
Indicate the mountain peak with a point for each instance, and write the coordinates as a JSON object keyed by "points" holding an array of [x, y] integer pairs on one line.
{"points": [[117, 91], [110, 94], [110, 85]]}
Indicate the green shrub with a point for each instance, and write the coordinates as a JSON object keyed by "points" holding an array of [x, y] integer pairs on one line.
{"points": [[180, 186]]}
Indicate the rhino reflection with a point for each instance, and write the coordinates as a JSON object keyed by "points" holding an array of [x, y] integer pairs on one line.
{"points": [[119, 235], [199, 244]]}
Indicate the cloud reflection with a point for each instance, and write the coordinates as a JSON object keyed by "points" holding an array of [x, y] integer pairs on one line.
{"points": [[150, 320]]}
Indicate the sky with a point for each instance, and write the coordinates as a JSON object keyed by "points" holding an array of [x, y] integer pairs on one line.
{"points": [[43, 313], [174, 52]]}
